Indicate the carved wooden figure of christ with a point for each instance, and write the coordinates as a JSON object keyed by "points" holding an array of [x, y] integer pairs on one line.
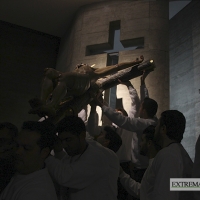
{"points": [[57, 85], [66, 93]]}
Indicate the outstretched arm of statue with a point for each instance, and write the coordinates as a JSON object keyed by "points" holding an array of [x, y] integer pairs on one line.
{"points": [[104, 71]]}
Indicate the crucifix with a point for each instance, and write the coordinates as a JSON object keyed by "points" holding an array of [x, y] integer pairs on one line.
{"points": [[112, 48], [78, 87]]}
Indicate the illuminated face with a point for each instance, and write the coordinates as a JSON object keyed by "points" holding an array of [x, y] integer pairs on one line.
{"points": [[71, 143], [144, 146], [29, 157]]}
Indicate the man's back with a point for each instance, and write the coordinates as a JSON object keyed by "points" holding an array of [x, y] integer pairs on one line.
{"points": [[37, 185], [92, 175], [171, 162], [107, 185]]}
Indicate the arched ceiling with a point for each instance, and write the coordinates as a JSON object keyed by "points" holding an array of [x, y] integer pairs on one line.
{"points": [[48, 16]]}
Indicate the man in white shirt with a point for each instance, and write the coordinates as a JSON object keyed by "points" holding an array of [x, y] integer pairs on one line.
{"points": [[129, 150], [32, 180], [130, 128], [83, 171], [149, 149], [171, 162], [133, 123]]}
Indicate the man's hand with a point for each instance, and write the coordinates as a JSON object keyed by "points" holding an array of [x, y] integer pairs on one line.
{"points": [[126, 83]]}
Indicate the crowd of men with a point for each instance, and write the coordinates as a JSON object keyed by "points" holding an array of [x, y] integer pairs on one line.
{"points": [[134, 158]]}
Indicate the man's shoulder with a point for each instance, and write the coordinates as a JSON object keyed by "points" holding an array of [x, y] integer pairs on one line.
{"points": [[169, 150], [41, 176], [174, 158], [97, 149], [171, 153], [36, 185], [95, 146]]}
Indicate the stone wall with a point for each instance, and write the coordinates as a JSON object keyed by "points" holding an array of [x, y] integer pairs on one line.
{"points": [[185, 70], [148, 19]]}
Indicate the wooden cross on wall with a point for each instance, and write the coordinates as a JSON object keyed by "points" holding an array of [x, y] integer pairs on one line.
{"points": [[112, 48]]}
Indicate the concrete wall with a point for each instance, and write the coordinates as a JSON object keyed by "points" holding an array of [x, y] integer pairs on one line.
{"points": [[24, 54], [148, 19], [185, 70]]}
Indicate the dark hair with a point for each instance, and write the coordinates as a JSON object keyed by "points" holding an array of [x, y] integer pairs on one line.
{"points": [[175, 124], [149, 132], [150, 106], [123, 111], [13, 129], [115, 140], [46, 130], [72, 124]]}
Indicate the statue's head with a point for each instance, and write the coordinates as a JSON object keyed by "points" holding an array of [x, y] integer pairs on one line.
{"points": [[84, 68], [78, 66]]}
